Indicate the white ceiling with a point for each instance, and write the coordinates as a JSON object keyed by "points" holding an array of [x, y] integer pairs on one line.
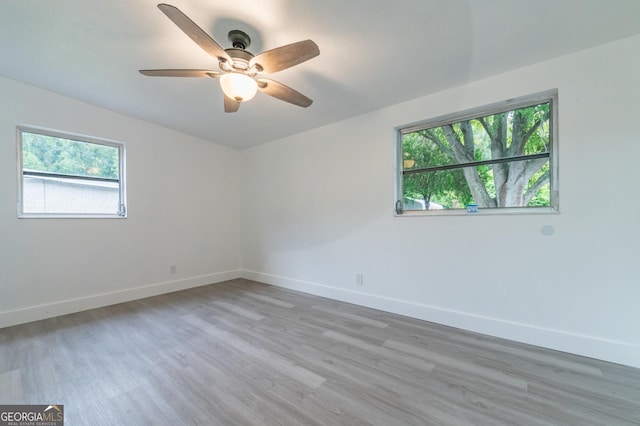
{"points": [[374, 53]]}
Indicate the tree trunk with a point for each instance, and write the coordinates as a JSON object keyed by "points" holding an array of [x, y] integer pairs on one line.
{"points": [[427, 201], [463, 153], [477, 188]]}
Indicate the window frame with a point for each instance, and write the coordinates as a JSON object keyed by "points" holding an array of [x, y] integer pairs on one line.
{"points": [[550, 96], [122, 198]]}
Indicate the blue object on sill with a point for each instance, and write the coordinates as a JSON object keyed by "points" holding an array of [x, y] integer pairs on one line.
{"points": [[472, 208]]}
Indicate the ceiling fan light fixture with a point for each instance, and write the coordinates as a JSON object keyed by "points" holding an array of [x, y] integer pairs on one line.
{"points": [[238, 86]]}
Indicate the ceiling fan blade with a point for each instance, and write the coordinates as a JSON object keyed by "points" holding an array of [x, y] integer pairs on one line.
{"points": [[196, 33], [284, 57], [181, 73], [283, 92], [230, 105]]}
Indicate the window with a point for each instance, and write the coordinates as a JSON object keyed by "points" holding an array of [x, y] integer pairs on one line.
{"points": [[496, 159], [69, 176]]}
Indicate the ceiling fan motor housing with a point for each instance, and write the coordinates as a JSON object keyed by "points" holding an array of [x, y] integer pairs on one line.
{"points": [[239, 39], [238, 53]]}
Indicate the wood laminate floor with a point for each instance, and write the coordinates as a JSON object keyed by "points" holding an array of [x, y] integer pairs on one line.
{"points": [[244, 353]]}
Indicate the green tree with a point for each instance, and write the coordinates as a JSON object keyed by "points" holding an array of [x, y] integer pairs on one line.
{"points": [[509, 134], [448, 186], [51, 154]]}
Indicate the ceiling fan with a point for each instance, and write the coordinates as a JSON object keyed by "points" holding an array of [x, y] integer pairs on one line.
{"points": [[239, 67]]}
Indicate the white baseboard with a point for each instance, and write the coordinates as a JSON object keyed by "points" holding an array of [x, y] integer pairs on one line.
{"points": [[584, 345], [63, 307]]}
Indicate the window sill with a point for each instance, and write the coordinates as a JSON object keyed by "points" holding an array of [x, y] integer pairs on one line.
{"points": [[69, 216], [481, 212]]}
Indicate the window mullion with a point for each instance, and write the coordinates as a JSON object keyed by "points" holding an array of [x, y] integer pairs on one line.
{"points": [[477, 163]]}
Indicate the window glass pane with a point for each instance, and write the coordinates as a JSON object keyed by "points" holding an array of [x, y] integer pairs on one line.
{"points": [[62, 176], [52, 154], [73, 196], [503, 135], [449, 189], [495, 160]]}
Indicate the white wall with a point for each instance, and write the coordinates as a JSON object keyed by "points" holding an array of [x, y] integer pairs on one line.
{"points": [[577, 290], [182, 204]]}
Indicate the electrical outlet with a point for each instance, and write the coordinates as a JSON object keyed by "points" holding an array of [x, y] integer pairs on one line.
{"points": [[360, 278], [172, 269]]}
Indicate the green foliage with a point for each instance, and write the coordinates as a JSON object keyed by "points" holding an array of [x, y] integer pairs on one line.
{"points": [[50, 154], [509, 134], [420, 152], [542, 198]]}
